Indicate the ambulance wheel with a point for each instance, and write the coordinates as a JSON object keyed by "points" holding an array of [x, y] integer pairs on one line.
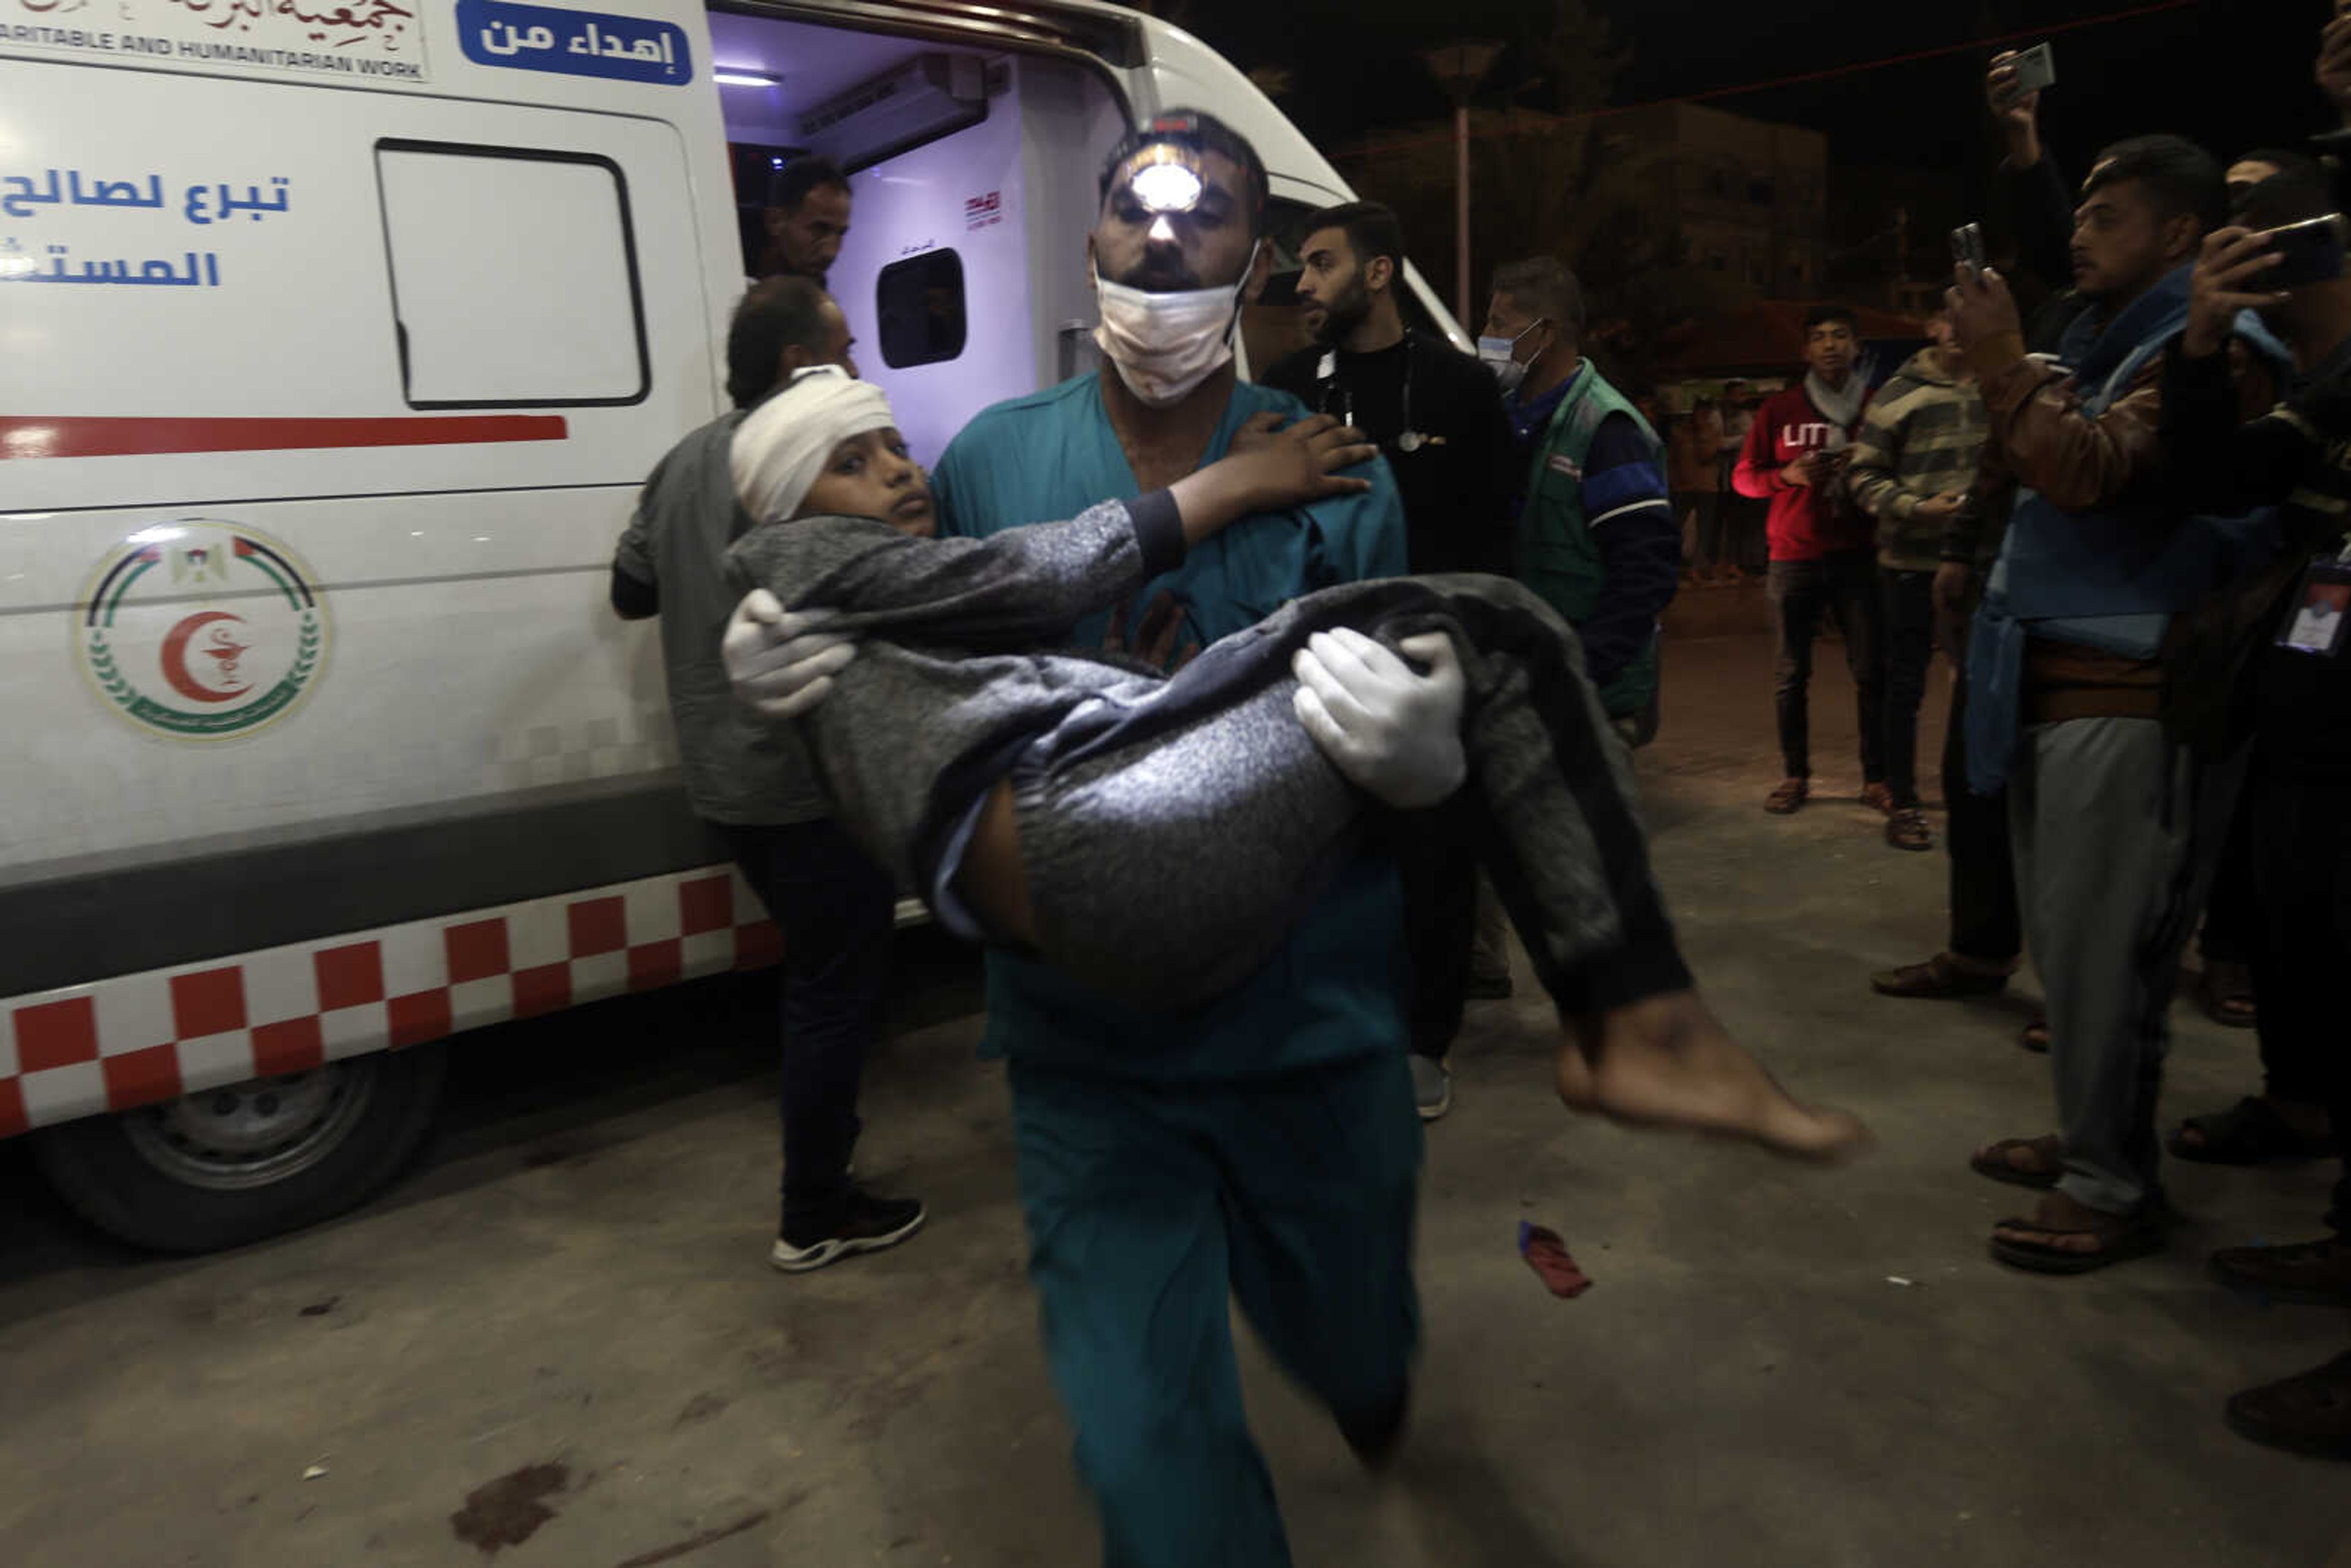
{"points": [[233, 1165]]}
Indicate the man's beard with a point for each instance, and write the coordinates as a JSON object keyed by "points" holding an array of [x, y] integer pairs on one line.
{"points": [[1342, 316]]}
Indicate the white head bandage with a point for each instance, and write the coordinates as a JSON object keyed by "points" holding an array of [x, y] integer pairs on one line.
{"points": [[782, 445]]}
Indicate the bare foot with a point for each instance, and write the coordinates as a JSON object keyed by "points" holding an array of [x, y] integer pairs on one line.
{"points": [[1668, 1061]]}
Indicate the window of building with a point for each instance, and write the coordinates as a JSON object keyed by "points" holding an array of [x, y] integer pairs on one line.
{"points": [[919, 303], [514, 276], [1760, 193]]}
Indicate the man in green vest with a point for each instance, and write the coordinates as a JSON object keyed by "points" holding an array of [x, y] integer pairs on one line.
{"points": [[1597, 537]]}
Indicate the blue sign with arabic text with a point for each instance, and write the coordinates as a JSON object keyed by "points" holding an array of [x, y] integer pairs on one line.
{"points": [[575, 43]]}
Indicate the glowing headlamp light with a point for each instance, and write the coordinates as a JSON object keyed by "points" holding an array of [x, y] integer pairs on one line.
{"points": [[1163, 180]]}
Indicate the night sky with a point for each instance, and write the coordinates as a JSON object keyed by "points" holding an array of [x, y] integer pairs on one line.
{"points": [[2233, 74]]}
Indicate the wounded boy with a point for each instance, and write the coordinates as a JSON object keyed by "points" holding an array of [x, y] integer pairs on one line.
{"points": [[1017, 790]]}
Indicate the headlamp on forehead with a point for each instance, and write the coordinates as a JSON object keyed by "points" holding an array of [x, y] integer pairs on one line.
{"points": [[1164, 179], [1159, 163]]}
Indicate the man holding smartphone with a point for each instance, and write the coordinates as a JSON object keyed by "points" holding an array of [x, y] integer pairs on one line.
{"points": [[1822, 560], [2260, 658], [2113, 821]]}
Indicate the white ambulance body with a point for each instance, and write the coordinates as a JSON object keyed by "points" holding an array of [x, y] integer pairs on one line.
{"points": [[333, 349]]}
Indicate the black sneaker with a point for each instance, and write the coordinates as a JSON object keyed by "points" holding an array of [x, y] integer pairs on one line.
{"points": [[867, 1224]]}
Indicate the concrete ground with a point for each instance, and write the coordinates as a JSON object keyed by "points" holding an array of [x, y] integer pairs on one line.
{"points": [[558, 1342]]}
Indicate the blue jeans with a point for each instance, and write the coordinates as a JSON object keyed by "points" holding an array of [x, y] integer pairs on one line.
{"points": [[838, 912]]}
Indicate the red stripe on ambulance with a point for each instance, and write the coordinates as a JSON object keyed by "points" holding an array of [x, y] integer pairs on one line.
{"points": [[77, 436]]}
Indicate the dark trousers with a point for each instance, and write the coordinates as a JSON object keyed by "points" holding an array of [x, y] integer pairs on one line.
{"points": [[1843, 585], [1907, 602], [1985, 924], [1745, 525], [838, 911], [1437, 858], [2233, 917], [2302, 870]]}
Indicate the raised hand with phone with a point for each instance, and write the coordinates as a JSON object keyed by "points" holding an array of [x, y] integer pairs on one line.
{"points": [[2335, 60], [2241, 269], [2013, 89]]}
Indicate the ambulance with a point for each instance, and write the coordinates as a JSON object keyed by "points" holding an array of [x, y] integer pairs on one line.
{"points": [[336, 337]]}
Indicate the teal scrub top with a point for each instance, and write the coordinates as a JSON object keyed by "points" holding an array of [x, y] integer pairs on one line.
{"points": [[1334, 992]]}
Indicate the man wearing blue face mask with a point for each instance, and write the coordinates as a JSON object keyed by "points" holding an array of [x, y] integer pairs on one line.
{"points": [[1597, 536]]}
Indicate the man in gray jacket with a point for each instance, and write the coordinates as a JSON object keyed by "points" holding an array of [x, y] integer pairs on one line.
{"points": [[754, 783]]}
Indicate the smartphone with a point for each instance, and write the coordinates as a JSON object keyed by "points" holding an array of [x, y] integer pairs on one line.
{"points": [[2036, 71], [1967, 245], [2314, 253]]}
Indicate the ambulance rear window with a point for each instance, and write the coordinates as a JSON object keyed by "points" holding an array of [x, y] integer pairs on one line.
{"points": [[514, 276], [919, 304]]}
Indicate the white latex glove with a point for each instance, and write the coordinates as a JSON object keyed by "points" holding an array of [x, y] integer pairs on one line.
{"points": [[1394, 733], [780, 665]]}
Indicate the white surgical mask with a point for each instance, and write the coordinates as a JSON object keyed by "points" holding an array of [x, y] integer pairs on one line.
{"points": [[1164, 345], [1500, 355]]}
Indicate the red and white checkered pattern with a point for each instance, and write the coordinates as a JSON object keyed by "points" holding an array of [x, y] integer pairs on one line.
{"points": [[138, 1039]]}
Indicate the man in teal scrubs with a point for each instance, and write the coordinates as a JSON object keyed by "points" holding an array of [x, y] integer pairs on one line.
{"points": [[1266, 1147]]}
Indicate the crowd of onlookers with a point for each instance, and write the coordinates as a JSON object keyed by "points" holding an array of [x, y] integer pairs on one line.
{"points": [[2125, 516]]}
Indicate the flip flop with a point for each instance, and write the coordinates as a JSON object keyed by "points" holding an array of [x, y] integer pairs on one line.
{"points": [[2138, 1235], [1994, 1164]]}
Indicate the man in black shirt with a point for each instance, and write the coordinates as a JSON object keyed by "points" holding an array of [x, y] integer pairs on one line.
{"points": [[1438, 416], [1434, 411]]}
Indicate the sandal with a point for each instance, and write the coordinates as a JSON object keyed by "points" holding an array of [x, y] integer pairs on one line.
{"points": [[1936, 978], [1994, 1162], [2227, 996], [2035, 1037], [1907, 830], [2249, 1133], [2121, 1237], [1789, 797]]}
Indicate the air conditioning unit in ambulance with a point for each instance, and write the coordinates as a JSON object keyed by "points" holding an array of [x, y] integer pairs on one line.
{"points": [[929, 97]]}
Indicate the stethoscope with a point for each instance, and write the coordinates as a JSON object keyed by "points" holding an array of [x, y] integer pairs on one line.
{"points": [[1327, 372]]}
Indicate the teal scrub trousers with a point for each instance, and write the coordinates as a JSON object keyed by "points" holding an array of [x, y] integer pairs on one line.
{"points": [[1150, 1206]]}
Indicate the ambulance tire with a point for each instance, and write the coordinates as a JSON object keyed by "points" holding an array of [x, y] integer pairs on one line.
{"points": [[236, 1164]]}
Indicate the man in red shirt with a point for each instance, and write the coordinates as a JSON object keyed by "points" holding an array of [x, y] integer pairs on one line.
{"points": [[1822, 549]]}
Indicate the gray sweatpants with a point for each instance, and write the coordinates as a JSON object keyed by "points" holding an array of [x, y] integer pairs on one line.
{"points": [[1170, 840], [2116, 830]]}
